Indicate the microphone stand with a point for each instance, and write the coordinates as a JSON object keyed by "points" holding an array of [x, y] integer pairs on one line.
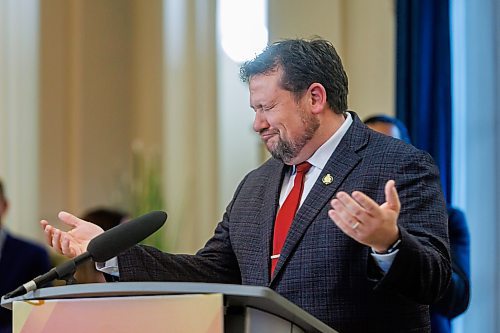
{"points": [[101, 248], [64, 271]]}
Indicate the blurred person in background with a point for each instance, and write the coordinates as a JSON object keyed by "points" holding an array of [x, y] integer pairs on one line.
{"points": [[457, 297], [105, 217], [20, 261]]}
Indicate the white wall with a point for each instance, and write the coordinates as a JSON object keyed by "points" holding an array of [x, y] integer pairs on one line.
{"points": [[19, 43]]}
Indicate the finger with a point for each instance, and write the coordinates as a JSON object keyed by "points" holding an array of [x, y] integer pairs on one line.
{"points": [[343, 212], [47, 232], [353, 207], [44, 224], [67, 250], [69, 219], [56, 240], [345, 226], [371, 207], [391, 196]]}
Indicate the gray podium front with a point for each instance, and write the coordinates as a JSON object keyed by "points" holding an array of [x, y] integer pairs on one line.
{"points": [[226, 308]]}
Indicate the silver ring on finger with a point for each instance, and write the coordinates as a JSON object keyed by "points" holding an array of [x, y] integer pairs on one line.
{"points": [[355, 225]]}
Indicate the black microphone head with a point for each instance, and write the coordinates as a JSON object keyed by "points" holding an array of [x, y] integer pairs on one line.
{"points": [[118, 239]]}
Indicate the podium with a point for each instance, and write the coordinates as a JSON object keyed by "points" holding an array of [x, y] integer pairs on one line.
{"points": [[159, 307]]}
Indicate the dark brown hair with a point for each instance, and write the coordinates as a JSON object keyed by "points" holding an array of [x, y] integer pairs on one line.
{"points": [[303, 63]]}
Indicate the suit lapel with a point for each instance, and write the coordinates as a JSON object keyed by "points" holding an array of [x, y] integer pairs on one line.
{"points": [[340, 164], [268, 214]]}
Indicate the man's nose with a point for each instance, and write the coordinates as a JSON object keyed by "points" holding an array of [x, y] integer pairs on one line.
{"points": [[259, 122]]}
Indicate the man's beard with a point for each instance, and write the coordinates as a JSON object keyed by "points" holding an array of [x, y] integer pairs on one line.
{"points": [[286, 150]]}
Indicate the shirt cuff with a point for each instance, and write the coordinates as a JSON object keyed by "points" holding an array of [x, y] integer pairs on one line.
{"points": [[384, 261], [109, 267]]}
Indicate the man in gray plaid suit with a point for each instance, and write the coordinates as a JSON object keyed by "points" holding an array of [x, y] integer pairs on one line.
{"points": [[367, 250]]}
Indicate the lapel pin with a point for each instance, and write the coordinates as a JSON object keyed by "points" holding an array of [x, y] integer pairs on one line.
{"points": [[327, 179]]}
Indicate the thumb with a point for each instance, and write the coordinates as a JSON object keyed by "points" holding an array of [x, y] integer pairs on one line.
{"points": [[70, 219], [391, 196]]}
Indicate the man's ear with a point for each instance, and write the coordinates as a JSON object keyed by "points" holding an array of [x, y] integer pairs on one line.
{"points": [[318, 97]]}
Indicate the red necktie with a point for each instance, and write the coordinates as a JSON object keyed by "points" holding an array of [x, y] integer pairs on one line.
{"points": [[287, 213]]}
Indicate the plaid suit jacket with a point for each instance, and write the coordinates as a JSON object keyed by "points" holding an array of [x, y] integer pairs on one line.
{"points": [[321, 269]]}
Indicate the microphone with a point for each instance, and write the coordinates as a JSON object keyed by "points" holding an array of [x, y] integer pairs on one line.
{"points": [[118, 239], [107, 245]]}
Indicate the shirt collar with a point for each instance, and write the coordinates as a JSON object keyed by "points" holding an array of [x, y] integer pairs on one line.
{"points": [[323, 153]]}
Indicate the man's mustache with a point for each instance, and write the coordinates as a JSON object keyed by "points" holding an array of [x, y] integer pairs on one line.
{"points": [[266, 131]]}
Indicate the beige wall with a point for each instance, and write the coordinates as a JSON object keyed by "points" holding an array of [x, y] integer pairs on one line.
{"points": [[190, 123], [101, 93], [86, 103], [117, 79], [363, 34], [116, 73], [369, 55], [304, 19], [146, 70]]}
